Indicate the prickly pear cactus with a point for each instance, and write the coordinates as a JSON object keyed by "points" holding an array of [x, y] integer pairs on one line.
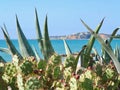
{"points": [[42, 64], [70, 62], [57, 73], [55, 59], [33, 83], [109, 73], [3, 85], [26, 67], [20, 83], [87, 84], [98, 69], [49, 70], [9, 73], [73, 83], [67, 73]]}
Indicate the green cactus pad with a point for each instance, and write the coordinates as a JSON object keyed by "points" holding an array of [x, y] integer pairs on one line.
{"points": [[32, 84], [26, 67]]}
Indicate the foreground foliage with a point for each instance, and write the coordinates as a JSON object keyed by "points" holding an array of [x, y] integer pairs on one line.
{"points": [[28, 74], [28, 71]]}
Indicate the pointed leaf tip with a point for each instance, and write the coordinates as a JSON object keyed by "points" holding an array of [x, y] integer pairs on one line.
{"points": [[25, 48], [67, 48], [48, 49]]}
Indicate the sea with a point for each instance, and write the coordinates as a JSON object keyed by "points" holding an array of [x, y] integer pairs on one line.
{"points": [[58, 45]]}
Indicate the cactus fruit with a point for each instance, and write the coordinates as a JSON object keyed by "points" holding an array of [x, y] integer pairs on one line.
{"points": [[32, 84]]}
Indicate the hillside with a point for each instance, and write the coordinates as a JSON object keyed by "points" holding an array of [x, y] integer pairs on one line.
{"points": [[81, 35]]}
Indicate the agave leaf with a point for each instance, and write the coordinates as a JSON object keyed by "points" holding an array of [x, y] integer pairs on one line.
{"points": [[25, 48], [108, 50], [36, 53], [5, 29], [115, 37], [105, 55], [48, 49], [97, 56], [113, 34], [95, 51], [10, 45], [90, 44], [2, 60], [92, 38], [67, 48], [117, 52], [38, 32], [5, 50], [78, 56]]}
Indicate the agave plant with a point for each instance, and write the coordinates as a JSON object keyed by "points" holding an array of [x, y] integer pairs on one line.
{"points": [[106, 48], [25, 48], [105, 55], [86, 54]]}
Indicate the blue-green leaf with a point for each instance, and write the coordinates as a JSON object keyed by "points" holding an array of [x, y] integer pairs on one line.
{"points": [[107, 49], [25, 47], [67, 48], [38, 32], [48, 49], [10, 45]]}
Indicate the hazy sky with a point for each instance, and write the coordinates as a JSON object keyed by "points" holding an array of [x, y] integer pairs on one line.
{"points": [[63, 15]]}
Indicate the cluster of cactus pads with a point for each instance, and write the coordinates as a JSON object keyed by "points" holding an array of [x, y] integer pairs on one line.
{"points": [[30, 74], [28, 71]]}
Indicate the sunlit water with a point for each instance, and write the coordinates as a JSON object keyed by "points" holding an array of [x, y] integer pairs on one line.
{"points": [[75, 46]]}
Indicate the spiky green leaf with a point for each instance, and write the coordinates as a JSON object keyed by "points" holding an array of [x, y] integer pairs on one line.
{"points": [[36, 53], [105, 55], [38, 32], [48, 49], [5, 50], [5, 29], [2, 60], [108, 50], [10, 45], [25, 47], [113, 34], [92, 38], [67, 48], [90, 44], [79, 54], [117, 52]]}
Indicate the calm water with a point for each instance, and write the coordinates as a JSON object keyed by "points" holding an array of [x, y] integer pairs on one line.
{"points": [[58, 45]]}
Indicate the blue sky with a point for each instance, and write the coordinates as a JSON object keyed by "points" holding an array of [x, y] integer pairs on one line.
{"points": [[63, 15]]}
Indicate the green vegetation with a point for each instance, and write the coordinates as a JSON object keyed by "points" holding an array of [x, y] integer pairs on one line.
{"points": [[28, 71]]}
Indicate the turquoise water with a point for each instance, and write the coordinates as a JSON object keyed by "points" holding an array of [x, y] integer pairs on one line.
{"points": [[58, 45]]}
